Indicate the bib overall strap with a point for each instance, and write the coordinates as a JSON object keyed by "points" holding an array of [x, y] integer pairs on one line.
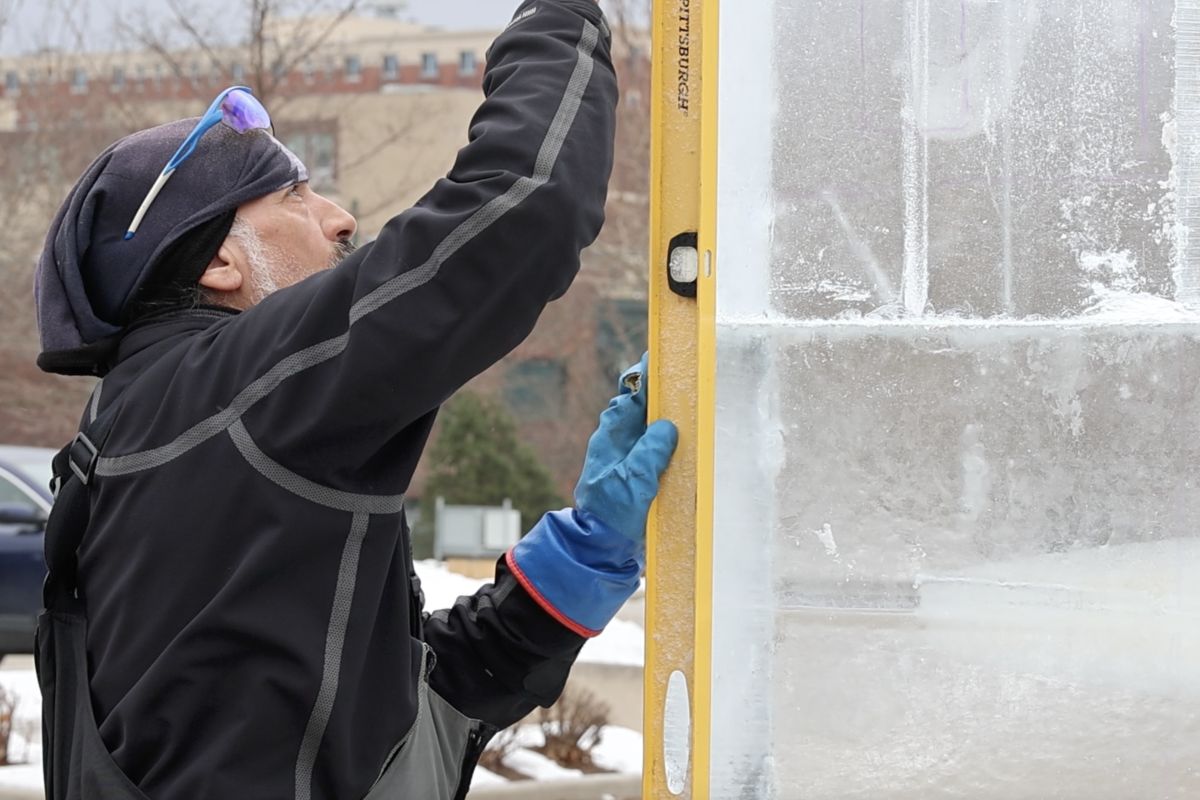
{"points": [[74, 470], [76, 764]]}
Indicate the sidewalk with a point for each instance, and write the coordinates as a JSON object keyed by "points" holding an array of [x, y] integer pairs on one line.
{"points": [[12, 793]]}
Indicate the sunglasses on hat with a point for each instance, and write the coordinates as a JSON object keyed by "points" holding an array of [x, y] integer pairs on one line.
{"points": [[237, 108]]}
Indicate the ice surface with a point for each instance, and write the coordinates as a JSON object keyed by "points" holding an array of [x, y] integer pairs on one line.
{"points": [[957, 504], [977, 560], [967, 157]]}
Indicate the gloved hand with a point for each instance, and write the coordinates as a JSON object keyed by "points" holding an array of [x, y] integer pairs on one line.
{"points": [[625, 459], [582, 564]]}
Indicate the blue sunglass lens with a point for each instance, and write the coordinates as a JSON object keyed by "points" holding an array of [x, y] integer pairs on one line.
{"points": [[242, 112]]}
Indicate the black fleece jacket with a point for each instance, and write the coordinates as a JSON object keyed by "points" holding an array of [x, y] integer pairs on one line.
{"points": [[247, 571]]}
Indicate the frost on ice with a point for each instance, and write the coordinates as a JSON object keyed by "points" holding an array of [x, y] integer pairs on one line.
{"points": [[958, 419]]}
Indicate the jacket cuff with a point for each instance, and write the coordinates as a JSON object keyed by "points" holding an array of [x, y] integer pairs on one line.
{"points": [[577, 569]]}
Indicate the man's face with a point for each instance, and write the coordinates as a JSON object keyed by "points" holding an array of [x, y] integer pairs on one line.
{"points": [[295, 232]]}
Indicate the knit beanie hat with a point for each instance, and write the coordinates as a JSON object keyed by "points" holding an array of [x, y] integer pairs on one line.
{"points": [[88, 274]]}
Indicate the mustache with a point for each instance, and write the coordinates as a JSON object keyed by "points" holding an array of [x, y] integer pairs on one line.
{"points": [[341, 251]]}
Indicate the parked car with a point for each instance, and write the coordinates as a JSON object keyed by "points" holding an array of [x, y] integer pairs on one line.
{"points": [[24, 506]]}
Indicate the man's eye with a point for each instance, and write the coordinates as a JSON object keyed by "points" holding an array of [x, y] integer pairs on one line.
{"points": [[295, 191]]}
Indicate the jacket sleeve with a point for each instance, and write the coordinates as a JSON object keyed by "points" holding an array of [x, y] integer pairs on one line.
{"points": [[499, 655], [339, 377], [349, 364]]}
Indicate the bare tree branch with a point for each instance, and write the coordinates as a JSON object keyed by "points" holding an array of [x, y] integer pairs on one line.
{"points": [[76, 14], [260, 12], [305, 50], [185, 19], [8, 9]]}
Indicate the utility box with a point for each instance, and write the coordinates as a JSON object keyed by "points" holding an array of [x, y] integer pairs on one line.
{"points": [[474, 532]]}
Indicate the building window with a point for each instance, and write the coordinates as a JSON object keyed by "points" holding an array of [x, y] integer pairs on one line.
{"points": [[468, 63], [536, 389], [391, 68], [353, 69], [429, 65], [139, 76], [239, 74], [309, 71], [317, 148], [79, 80], [118, 79], [194, 71], [12, 82], [159, 73]]}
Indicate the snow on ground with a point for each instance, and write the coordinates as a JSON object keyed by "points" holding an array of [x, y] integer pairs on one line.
{"points": [[622, 642], [619, 750], [484, 778], [529, 736], [22, 681], [441, 586], [538, 767], [25, 743]]}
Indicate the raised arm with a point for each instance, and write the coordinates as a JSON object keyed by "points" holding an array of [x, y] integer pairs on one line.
{"points": [[453, 284]]}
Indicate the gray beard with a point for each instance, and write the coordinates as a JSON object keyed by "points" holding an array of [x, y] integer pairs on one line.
{"points": [[265, 261]]}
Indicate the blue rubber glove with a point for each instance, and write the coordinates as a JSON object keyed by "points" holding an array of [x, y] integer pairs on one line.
{"points": [[625, 459], [582, 564]]}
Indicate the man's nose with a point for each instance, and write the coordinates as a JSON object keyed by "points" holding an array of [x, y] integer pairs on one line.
{"points": [[336, 222]]}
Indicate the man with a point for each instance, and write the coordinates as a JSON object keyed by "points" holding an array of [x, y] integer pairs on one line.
{"points": [[241, 618]]}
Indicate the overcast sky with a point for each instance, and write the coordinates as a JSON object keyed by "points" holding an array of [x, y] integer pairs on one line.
{"points": [[28, 21]]}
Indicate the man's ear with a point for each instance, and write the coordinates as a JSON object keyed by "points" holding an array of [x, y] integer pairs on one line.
{"points": [[227, 271]]}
